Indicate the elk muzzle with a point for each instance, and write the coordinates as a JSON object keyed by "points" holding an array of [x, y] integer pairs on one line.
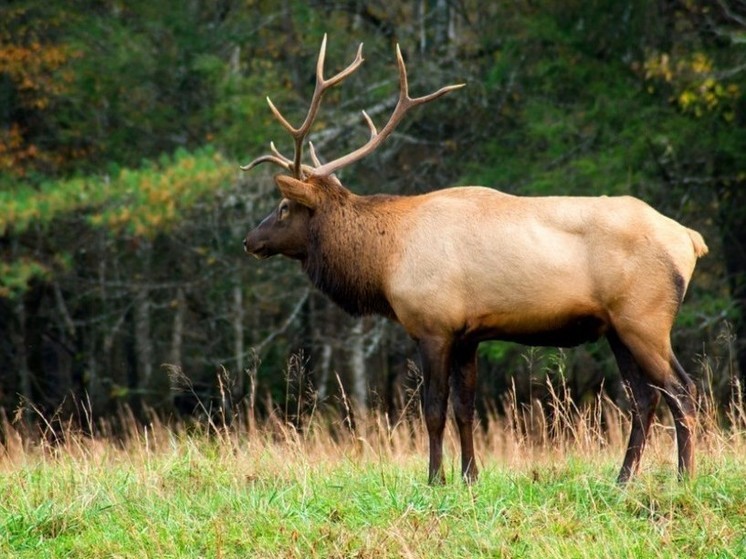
{"points": [[254, 245]]}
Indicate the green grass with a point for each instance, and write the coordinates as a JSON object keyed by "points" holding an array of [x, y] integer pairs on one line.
{"points": [[272, 493]]}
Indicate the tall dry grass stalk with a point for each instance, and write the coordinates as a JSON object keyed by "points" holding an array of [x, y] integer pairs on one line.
{"points": [[524, 436]]}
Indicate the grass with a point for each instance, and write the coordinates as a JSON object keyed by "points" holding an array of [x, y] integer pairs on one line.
{"points": [[274, 491]]}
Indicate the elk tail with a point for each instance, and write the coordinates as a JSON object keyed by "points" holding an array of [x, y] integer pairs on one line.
{"points": [[698, 242]]}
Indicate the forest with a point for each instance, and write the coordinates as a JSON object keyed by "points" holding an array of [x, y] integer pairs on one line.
{"points": [[123, 282]]}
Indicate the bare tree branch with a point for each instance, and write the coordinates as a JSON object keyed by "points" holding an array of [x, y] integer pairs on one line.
{"points": [[284, 326]]}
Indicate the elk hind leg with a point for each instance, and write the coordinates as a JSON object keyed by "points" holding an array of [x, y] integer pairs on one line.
{"points": [[644, 401], [661, 368], [463, 381], [680, 395]]}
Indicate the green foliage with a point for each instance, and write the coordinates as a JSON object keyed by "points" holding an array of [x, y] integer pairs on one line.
{"points": [[142, 202], [108, 191], [151, 200], [242, 119], [708, 304], [574, 121], [495, 350], [15, 276]]}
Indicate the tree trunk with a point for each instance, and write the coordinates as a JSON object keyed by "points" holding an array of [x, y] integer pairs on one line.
{"points": [[49, 379], [321, 316], [421, 14], [94, 392], [436, 25], [732, 204], [24, 373], [239, 351], [176, 351], [357, 366], [177, 330], [142, 326], [324, 369], [441, 24], [143, 342]]}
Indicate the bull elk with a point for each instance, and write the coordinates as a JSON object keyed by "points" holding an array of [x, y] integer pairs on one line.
{"points": [[466, 264]]}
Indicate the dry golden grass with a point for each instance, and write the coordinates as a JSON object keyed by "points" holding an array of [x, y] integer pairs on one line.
{"points": [[323, 489]]}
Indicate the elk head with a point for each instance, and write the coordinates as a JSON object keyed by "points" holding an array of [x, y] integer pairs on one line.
{"points": [[285, 230], [310, 187]]}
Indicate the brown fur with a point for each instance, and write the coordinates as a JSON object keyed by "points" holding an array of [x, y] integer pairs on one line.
{"points": [[462, 265], [354, 243]]}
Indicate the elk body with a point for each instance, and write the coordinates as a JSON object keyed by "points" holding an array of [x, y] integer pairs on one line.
{"points": [[462, 265]]}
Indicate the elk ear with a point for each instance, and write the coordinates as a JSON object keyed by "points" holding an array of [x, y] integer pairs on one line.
{"points": [[299, 191]]}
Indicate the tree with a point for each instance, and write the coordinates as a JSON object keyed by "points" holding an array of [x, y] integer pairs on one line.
{"points": [[35, 76], [699, 72], [122, 126]]}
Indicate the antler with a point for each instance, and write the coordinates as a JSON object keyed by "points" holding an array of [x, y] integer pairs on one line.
{"points": [[299, 134], [403, 105], [376, 138]]}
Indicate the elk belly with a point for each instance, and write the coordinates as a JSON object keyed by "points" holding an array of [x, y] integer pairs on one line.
{"points": [[566, 330]]}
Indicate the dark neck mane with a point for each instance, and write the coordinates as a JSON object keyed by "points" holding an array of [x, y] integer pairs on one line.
{"points": [[349, 248]]}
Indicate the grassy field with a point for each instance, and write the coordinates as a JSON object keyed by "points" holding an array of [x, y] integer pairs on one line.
{"points": [[272, 492]]}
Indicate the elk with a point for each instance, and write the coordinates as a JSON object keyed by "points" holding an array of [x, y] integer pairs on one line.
{"points": [[466, 264]]}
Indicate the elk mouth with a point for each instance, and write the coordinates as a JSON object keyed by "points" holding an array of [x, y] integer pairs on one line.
{"points": [[259, 251]]}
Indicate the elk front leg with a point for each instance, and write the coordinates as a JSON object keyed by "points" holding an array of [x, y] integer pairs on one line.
{"points": [[435, 355], [464, 380]]}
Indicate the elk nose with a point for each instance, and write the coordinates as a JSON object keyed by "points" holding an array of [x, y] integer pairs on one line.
{"points": [[245, 245]]}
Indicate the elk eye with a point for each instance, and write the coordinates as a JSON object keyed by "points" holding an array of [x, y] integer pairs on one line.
{"points": [[283, 210]]}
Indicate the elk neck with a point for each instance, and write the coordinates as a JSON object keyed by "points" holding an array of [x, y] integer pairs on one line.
{"points": [[352, 244]]}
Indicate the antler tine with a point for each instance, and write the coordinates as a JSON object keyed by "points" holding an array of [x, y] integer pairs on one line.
{"points": [[276, 151], [266, 159], [404, 93], [317, 162], [371, 126], [278, 159], [269, 158], [275, 157], [312, 153], [299, 134], [403, 105]]}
